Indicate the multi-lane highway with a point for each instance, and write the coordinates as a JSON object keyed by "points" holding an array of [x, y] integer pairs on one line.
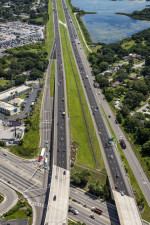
{"points": [[119, 183], [59, 98], [83, 202]]}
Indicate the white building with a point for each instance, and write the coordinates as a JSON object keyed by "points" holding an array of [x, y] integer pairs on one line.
{"points": [[13, 92], [8, 109]]}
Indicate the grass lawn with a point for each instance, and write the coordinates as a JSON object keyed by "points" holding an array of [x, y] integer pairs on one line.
{"points": [[49, 31], [95, 175], [128, 44], [20, 214], [1, 198], [3, 82], [78, 128], [22, 96], [52, 79], [138, 193]]}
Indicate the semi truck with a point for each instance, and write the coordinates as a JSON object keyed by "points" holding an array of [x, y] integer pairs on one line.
{"points": [[96, 210], [122, 143], [42, 154]]}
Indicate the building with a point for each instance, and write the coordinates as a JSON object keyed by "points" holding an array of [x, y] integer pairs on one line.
{"points": [[14, 92], [115, 84], [8, 109]]}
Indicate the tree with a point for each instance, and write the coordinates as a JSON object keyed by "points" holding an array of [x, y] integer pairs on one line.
{"points": [[35, 74], [103, 82], [81, 178], [119, 117], [96, 188], [146, 148], [133, 99], [103, 66], [131, 124], [109, 94], [124, 111], [143, 135]]}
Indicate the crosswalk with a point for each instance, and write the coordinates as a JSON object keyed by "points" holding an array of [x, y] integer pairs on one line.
{"points": [[38, 204]]}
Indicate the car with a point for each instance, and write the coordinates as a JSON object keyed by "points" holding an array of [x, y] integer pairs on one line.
{"points": [[117, 175], [46, 142], [62, 99], [58, 150], [64, 149], [54, 198], [116, 186], [5, 154], [92, 216], [61, 138], [109, 116], [84, 205], [76, 212], [111, 157], [116, 121], [122, 193], [99, 132], [64, 172], [9, 182]]}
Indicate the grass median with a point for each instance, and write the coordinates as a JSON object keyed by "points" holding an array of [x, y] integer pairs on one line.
{"points": [[49, 29], [52, 79], [78, 128], [135, 186]]}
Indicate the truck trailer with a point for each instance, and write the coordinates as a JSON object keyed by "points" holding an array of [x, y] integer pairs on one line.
{"points": [[96, 210], [42, 152]]}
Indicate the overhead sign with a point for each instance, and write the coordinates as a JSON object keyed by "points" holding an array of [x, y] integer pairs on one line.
{"points": [[110, 139]]}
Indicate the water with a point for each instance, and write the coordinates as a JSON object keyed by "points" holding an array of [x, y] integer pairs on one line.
{"points": [[106, 26]]}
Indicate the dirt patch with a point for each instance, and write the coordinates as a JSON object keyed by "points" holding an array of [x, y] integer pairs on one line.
{"points": [[74, 150]]}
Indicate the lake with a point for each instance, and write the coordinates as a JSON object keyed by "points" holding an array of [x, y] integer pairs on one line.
{"points": [[106, 26]]}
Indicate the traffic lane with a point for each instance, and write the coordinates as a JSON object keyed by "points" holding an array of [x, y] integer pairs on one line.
{"points": [[15, 179], [83, 198], [92, 101], [61, 136], [15, 222], [21, 164], [84, 216], [10, 198]]}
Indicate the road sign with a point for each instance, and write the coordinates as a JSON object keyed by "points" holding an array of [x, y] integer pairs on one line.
{"points": [[110, 139]]}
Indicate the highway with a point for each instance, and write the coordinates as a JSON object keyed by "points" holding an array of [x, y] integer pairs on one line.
{"points": [[27, 176], [137, 169], [118, 178], [60, 98], [80, 198]]}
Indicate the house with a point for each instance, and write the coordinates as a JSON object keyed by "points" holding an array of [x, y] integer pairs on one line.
{"points": [[133, 76], [133, 55], [115, 84]]}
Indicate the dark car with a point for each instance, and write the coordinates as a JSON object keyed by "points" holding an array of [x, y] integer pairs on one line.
{"points": [[54, 198]]}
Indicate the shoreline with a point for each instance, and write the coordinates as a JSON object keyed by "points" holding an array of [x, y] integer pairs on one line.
{"points": [[133, 16]]}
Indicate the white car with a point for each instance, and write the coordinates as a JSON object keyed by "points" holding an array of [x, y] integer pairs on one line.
{"points": [[76, 212]]}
